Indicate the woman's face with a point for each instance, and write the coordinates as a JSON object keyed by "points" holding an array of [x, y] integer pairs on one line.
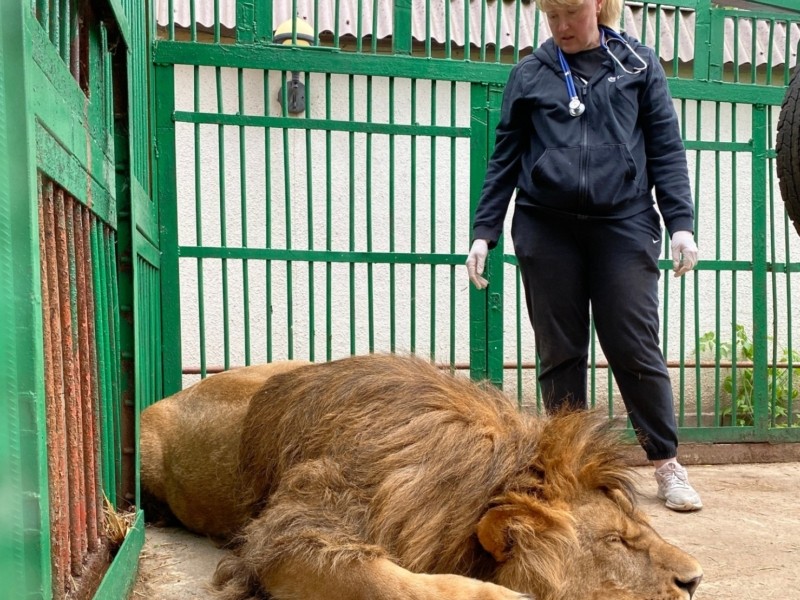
{"points": [[575, 28]]}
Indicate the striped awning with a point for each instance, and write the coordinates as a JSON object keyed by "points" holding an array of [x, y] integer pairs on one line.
{"points": [[747, 40]]}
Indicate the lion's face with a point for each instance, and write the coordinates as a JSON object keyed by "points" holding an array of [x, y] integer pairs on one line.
{"points": [[599, 547]]}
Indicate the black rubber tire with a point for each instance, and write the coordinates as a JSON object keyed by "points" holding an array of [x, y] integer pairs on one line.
{"points": [[787, 146]]}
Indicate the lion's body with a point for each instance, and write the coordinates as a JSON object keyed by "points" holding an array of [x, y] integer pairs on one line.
{"points": [[363, 474], [189, 445]]}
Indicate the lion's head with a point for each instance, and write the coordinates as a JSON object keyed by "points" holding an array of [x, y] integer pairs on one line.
{"points": [[571, 529]]}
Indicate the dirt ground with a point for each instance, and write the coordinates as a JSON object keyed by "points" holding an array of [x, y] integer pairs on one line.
{"points": [[747, 538]]}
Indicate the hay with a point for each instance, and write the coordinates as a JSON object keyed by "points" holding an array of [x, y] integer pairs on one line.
{"points": [[117, 523]]}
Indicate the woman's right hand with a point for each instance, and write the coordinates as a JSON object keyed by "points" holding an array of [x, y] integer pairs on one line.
{"points": [[476, 262]]}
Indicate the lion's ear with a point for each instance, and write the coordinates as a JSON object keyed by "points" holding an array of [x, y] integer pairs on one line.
{"points": [[494, 529], [501, 526]]}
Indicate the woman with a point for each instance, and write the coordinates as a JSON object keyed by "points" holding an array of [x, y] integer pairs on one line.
{"points": [[587, 132]]}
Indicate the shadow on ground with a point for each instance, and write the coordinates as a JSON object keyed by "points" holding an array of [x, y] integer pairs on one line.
{"points": [[747, 538]]}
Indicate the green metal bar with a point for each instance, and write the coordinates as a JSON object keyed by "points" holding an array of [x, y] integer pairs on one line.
{"points": [[432, 225], [323, 60], [498, 28], [287, 204], [483, 104], [705, 29], [244, 211], [310, 226], [428, 49], [166, 178], [454, 203], [321, 124], [25, 567], [121, 575], [351, 203], [268, 220], [333, 256], [466, 11], [401, 34], [198, 211], [104, 362], [113, 308], [759, 282], [369, 218], [329, 223], [223, 226], [482, 50], [412, 305], [392, 178]]}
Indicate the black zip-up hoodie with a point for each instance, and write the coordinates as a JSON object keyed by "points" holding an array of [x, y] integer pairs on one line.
{"points": [[601, 165]]}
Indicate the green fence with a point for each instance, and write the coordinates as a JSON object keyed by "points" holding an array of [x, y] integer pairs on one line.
{"points": [[79, 268], [342, 228]]}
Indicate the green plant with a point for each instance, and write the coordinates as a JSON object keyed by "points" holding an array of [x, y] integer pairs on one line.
{"points": [[782, 390]]}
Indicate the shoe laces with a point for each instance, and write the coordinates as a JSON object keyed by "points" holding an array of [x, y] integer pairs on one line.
{"points": [[673, 475]]}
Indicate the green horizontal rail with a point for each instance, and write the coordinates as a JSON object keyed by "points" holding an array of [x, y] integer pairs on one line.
{"points": [[320, 124], [410, 258]]}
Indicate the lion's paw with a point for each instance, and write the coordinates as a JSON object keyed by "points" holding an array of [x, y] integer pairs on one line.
{"points": [[456, 587]]}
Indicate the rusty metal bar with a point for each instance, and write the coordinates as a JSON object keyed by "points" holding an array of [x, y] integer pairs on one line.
{"points": [[54, 394], [77, 519], [83, 293]]}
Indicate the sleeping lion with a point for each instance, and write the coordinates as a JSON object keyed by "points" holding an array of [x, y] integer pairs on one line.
{"points": [[382, 477]]}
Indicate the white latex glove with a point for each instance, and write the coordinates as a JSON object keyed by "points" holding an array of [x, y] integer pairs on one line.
{"points": [[684, 252], [476, 262]]}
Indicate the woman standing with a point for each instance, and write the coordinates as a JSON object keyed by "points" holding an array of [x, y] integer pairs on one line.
{"points": [[587, 132]]}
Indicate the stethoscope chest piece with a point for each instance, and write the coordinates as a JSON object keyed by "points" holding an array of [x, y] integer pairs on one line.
{"points": [[576, 107]]}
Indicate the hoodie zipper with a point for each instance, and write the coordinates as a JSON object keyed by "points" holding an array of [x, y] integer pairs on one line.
{"points": [[584, 166]]}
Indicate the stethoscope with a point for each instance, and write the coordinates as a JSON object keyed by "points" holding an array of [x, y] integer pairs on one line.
{"points": [[576, 107]]}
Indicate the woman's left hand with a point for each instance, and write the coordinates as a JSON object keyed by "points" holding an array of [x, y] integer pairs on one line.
{"points": [[684, 252]]}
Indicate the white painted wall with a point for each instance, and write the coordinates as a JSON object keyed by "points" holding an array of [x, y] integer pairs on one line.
{"points": [[285, 168]]}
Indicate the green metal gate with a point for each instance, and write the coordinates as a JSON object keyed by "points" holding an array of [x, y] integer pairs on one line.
{"points": [[342, 227], [79, 291]]}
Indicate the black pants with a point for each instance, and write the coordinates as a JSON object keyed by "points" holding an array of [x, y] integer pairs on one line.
{"points": [[569, 265]]}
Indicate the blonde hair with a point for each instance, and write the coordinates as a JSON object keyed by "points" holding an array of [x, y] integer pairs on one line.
{"points": [[610, 11]]}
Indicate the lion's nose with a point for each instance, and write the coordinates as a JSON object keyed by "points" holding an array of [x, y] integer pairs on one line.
{"points": [[690, 585]]}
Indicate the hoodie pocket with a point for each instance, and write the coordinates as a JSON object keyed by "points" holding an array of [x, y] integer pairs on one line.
{"points": [[606, 169], [611, 173]]}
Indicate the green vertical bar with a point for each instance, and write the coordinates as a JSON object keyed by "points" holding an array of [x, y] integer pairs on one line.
{"points": [[223, 227], [486, 315], [401, 35], [165, 174], [268, 220], [351, 201], [287, 190], [198, 212], [432, 226], [759, 226], [368, 199], [705, 30], [25, 569], [103, 361], [412, 317], [454, 204], [392, 274], [312, 332], [115, 399], [243, 204], [328, 223]]}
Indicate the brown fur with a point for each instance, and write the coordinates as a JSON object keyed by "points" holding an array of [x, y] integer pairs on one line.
{"points": [[189, 446], [382, 478]]}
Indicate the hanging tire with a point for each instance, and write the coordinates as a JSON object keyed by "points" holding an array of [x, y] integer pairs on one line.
{"points": [[787, 146]]}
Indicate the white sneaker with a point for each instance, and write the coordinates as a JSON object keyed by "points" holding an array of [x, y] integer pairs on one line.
{"points": [[674, 488]]}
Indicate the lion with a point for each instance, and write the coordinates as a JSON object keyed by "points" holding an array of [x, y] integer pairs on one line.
{"points": [[189, 447], [383, 477]]}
